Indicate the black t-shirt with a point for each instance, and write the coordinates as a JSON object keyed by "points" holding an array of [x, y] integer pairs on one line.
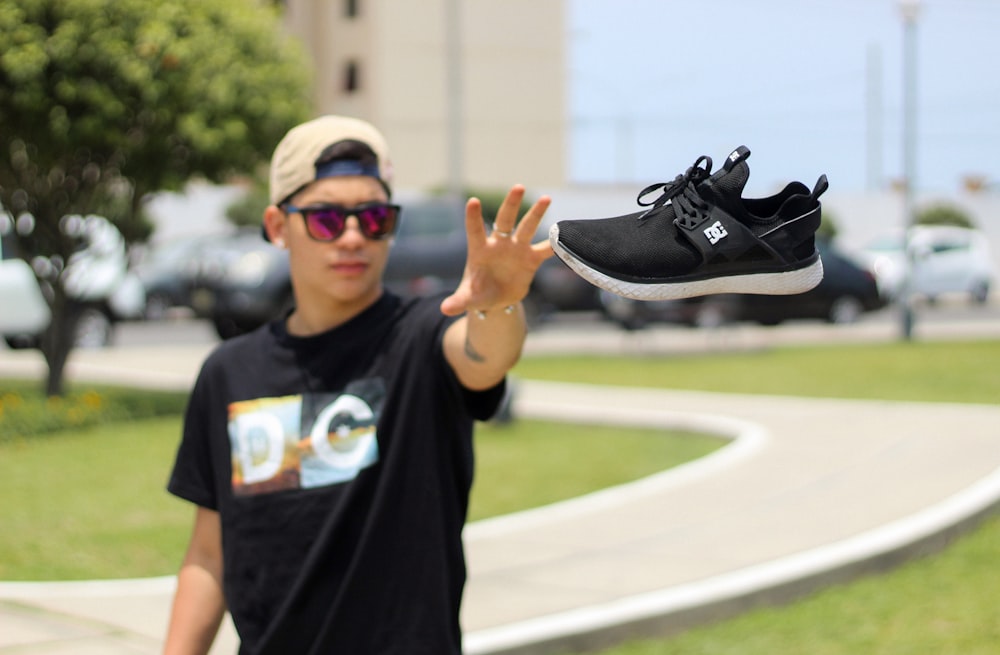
{"points": [[341, 466]]}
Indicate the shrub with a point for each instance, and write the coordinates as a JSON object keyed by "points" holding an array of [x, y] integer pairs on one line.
{"points": [[26, 413], [945, 214]]}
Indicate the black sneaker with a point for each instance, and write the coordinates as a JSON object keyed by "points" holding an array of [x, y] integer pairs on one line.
{"points": [[701, 237]]}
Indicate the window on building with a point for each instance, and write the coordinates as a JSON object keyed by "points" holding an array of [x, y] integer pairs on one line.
{"points": [[352, 77]]}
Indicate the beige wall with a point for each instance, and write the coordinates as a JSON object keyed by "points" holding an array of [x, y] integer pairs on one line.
{"points": [[512, 84]]}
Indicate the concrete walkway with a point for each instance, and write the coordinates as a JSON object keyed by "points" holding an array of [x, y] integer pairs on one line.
{"points": [[808, 492]]}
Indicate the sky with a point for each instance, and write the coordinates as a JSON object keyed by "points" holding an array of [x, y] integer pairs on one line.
{"points": [[809, 86]]}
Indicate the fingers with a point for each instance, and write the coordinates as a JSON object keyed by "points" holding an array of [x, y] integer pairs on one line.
{"points": [[532, 219], [475, 229], [506, 217]]}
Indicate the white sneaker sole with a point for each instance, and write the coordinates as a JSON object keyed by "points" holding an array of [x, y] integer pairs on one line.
{"points": [[772, 284]]}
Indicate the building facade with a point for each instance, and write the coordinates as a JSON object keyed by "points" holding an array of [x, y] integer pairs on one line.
{"points": [[469, 93]]}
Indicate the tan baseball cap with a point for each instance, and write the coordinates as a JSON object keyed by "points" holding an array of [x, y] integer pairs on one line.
{"points": [[328, 146]]}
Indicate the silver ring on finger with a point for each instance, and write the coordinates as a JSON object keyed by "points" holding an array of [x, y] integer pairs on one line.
{"points": [[501, 233]]}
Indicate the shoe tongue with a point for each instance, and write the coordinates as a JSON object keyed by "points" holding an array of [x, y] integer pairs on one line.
{"points": [[734, 174]]}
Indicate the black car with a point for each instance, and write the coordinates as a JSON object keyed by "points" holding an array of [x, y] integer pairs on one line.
{"points": [[241, 282], [168, 272], [846, 292]]}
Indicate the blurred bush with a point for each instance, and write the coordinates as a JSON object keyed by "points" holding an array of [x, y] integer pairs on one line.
{"points": [[26, 413]]}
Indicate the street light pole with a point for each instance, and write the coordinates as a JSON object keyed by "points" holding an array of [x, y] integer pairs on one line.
{"points": [[909, 9]]}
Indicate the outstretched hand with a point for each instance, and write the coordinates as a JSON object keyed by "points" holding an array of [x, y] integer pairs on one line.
{"points": [[501, 264]]}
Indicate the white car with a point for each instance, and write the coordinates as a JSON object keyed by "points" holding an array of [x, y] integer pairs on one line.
{"points": [[24, 309], [946, 259], [96, 278]]}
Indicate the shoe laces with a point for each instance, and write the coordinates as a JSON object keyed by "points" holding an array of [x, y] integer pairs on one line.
{"points": [[681, 192]]}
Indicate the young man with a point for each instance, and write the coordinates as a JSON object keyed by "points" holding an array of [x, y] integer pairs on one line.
{"points": [[329, 453]]}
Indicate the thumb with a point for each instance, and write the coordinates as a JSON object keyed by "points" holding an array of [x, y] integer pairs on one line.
{"points": [[454, 304]]}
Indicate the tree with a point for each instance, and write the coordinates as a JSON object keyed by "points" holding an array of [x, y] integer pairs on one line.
{"points": [[104, 101], [248, 210]]}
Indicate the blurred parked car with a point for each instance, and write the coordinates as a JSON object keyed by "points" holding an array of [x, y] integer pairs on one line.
{"points": [[946, 259], [428, 253], [168, 272], [557, 288], [101, 288], [845, 293], [242, 282]]}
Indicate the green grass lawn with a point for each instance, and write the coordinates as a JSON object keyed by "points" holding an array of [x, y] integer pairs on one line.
{"points": [[965, 372], [91, 503], [533, 463]]}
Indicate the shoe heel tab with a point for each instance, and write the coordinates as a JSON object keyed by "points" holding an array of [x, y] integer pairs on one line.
{"points": [[822, 184], [735, 157]]}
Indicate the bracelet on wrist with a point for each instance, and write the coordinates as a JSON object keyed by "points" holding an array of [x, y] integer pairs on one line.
{"points": [[481, 313]]}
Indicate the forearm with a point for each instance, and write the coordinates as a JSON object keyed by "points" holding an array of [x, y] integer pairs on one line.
{"points": [[483, 347], [197, 612], [199, 604]]}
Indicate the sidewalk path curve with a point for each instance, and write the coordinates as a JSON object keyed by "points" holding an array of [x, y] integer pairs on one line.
{"points": [[809, 492]]}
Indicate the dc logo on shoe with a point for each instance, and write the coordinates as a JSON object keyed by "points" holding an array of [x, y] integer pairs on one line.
{"points": [[715, 232]]}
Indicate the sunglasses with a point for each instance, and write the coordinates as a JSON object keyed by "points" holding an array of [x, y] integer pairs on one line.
{"points": [[377, 220]]}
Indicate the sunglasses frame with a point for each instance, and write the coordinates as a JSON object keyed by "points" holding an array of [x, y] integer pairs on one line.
{"points": [[347, 212]]}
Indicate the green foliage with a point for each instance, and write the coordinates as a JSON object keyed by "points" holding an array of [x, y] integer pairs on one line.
{"points": [[133, 222], [944, 214], [103, 102], [27, 414], [248, 211], [150, 91]]}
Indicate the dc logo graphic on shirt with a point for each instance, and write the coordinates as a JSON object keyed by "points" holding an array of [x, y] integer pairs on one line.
{"points": [[303, 441]]}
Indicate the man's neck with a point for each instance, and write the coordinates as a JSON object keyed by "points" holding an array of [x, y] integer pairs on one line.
{"points": [[310, 319]]}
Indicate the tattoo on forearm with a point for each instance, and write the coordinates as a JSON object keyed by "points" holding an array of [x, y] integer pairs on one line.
{"points": [[472, 353]]}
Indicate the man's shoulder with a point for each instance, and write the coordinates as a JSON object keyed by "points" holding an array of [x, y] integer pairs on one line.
{"points": [[250, 345]]}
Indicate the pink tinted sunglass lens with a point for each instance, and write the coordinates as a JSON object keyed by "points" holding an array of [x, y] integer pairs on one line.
{"points": [[377, 221], [327, 225]]}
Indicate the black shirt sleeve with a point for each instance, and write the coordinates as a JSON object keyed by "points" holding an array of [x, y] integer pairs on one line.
{"points": [[193, 476]]}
